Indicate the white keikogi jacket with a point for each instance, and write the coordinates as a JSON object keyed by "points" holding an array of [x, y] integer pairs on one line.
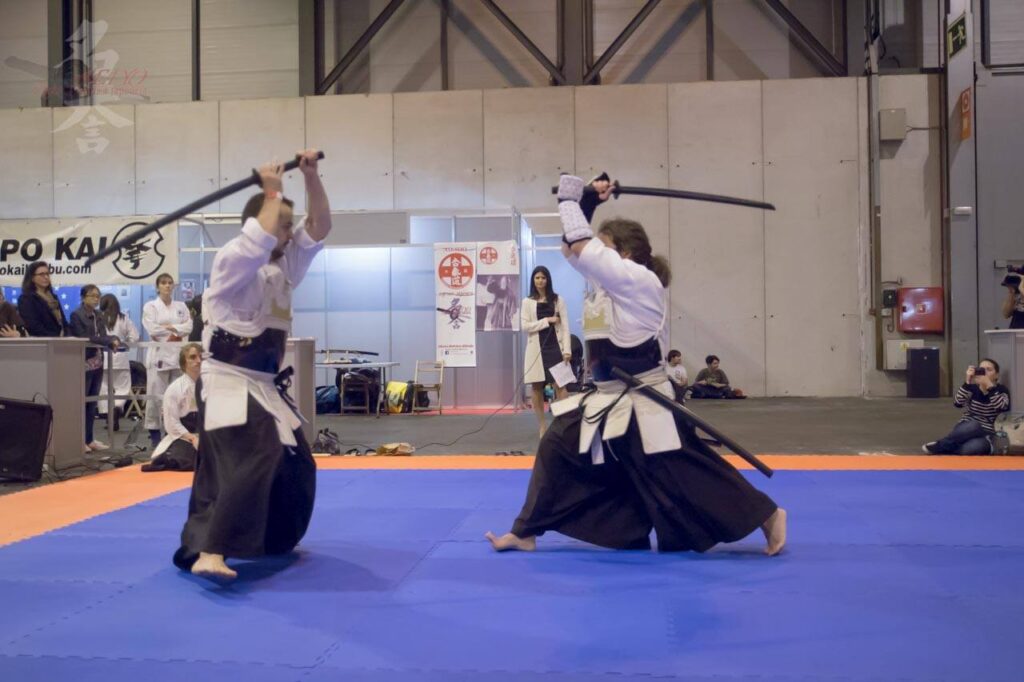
{"points": [[628, 306], [125, 330], [179, 400], [155, 314], [248, 295]]}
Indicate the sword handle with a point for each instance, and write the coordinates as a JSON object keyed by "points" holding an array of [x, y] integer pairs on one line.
{"points": [[290, 166]]}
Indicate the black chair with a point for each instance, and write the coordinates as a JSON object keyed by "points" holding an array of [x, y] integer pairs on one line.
{"points": [[134, 408], [359, 390]]}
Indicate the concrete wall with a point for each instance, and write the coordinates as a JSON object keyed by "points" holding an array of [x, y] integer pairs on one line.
{"points": [[23, 75], [780, 296], [910, 187], [1000, 101]]}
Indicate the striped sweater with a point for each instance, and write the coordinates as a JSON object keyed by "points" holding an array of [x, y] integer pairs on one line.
{"points": [[980, 407]]}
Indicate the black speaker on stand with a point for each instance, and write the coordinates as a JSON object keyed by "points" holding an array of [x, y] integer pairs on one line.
{"points": [[24, 434], [922, 372]]}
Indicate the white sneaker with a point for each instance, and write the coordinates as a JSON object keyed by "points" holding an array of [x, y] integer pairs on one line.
{"points": [[97, 445]]}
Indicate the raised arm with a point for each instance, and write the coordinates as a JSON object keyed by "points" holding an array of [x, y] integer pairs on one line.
{"points": [[318, 209]]}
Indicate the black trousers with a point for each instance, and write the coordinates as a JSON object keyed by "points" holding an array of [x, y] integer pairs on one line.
{"points": [[692, 498], [93, 379], [251, 496]]}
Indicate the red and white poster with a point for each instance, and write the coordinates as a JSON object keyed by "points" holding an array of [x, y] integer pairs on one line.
{"points": [[455, 271], [497, 287]]}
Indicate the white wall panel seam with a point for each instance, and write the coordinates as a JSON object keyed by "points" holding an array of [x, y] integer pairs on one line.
{"points": [[483, 154], [668, 246], [53, 163], [764, 243], [865, 296], [394, 152], [135, 159]]}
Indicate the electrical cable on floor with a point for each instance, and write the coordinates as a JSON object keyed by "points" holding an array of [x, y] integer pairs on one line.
{"points": [[518, 388]]}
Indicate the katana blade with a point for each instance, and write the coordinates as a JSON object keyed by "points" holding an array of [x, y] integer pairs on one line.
{"points": [[682, 194], [695, 196], [130, 239]]}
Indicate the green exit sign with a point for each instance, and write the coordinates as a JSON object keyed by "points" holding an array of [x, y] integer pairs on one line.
{"points": [[956, 36]]}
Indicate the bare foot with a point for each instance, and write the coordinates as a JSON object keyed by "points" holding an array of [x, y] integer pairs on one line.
{"points": [[212, 567], [774, 530], [510, 541]]}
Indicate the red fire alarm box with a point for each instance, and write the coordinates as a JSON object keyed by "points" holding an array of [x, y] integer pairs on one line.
{"points": [[921, 310]]}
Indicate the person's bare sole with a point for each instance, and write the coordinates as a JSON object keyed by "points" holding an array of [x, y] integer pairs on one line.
{"points": [[212, 567], [775, 532], [508, 541]]}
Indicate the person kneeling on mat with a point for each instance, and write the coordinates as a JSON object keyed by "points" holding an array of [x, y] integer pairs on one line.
{"points": [[177, 450]]}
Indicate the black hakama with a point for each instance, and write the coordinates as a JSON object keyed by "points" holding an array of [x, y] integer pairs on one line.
{"points": [[251, 496], [179, 455], [692, 498]]}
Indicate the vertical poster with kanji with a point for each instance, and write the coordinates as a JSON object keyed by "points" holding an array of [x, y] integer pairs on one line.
{"points": [[497, 286], [455, 290]]}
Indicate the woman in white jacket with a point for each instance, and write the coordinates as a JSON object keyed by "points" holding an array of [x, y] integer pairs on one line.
{"points": [[120, 325], [545, 321]]}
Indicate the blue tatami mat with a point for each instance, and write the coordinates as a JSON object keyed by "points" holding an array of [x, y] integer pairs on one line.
{"points": [[887, 576]]}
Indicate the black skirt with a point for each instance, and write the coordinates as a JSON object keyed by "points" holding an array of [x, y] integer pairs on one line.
{"points": [[692, 498], [550, 351], [251, 496]]}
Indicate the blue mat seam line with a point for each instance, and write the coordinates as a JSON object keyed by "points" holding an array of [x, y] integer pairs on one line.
{"points": [[65, 532], [72, 614], [412, 569], [67, 581], [143, 659]]}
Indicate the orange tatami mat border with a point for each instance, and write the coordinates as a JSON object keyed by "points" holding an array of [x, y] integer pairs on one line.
{"points": [[49, 507]]}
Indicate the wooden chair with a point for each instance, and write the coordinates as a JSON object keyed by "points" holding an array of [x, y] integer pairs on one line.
{"points": [[429, 377]]}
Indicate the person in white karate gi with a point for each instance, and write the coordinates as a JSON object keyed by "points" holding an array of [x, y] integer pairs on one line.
{"points": [[615, 464], [119, 325], [255, 479], [177, 450], [166, 321]]}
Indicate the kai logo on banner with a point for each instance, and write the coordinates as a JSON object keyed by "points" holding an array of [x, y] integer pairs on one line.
{"points": [[66, 246]]}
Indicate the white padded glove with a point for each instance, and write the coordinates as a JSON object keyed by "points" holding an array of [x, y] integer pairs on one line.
{"points": [[570, 188], [574, 223]]}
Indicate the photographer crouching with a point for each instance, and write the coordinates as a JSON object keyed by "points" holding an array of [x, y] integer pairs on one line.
{"points": [[982, 398]]}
